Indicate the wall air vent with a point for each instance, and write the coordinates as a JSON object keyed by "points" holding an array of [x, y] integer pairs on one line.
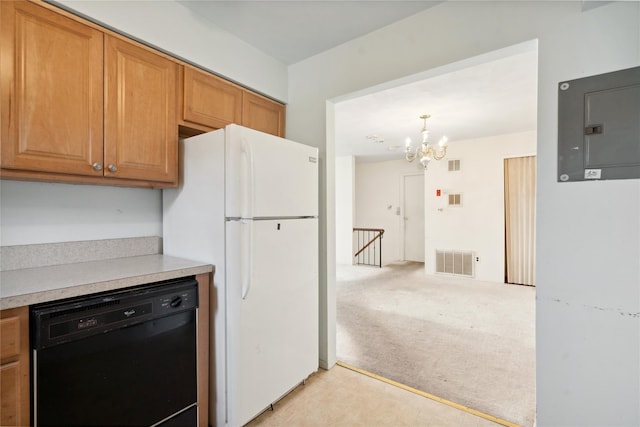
{"points": [[455, 262], [454, 165], [455, 199]]}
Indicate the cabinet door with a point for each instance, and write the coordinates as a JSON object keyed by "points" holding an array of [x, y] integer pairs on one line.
{"points": [[262, 114], [51, 86], [14, 368], [141, 129], [209, 100]]}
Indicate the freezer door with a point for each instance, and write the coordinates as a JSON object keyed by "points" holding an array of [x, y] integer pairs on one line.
{"points": [[268, 176], [272, 312]]}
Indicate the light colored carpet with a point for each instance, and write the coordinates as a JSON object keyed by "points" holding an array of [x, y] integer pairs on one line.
{"points": [[466, 341]]}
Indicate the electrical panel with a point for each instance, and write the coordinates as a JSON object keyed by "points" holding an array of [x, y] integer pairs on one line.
{"points": [[599, 127]]}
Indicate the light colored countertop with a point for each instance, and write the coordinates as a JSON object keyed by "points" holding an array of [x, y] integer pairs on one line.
{"points": [[43, 284]]}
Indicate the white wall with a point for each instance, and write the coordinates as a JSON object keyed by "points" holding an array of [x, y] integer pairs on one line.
{"points": [[32, 212], [170, 26], [378, 198], [478, 224], [345, 208], [588, 234]]}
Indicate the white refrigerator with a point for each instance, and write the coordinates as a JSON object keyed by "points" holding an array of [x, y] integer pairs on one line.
{"points": [[248, 204]]}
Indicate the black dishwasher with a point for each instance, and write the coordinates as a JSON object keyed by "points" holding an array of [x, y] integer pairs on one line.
{"points": [[124, 358]]}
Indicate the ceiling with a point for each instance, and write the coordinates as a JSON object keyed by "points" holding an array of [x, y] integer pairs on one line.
{"points": [[293, 30], [492, 97]]}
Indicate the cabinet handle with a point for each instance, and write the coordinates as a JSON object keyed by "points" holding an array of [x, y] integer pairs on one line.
{"points": [[113, 168], [97, 166]]}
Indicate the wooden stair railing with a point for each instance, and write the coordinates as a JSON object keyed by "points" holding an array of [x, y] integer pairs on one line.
{"points": [[369, 241]]}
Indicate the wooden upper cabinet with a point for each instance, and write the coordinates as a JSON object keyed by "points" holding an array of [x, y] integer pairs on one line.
{"points": [[141, 129], [262, 114], [51, 86], [208, 100], [80, 105], [83, 104], [14, 367]]}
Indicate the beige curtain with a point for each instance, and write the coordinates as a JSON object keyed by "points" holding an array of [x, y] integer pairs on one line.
{"points": [[520, 219]]}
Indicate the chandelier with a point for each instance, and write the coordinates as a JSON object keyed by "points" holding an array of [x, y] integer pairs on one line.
{"points": [[426, 151]]}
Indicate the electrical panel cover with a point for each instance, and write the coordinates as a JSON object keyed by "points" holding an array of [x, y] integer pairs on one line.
{"points": [[599, 127]]}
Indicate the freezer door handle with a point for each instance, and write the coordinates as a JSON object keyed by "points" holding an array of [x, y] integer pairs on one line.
{"points": [[247, 197], [247, 245]]}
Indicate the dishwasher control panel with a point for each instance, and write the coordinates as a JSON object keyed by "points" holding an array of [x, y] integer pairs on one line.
{"points": [[185, 298], [56, 323]]}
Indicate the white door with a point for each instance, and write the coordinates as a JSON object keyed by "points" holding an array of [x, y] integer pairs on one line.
{"points": [[272, 311], [413, 219]]}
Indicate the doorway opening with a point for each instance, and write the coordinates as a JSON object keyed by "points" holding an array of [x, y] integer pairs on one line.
{"points": [[393, 305]]}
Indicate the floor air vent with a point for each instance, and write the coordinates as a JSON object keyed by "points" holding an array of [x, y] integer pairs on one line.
{"points": [[454, 262]]}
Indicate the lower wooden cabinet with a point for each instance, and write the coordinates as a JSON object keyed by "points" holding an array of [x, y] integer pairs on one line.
{"points": [[14, 367]]}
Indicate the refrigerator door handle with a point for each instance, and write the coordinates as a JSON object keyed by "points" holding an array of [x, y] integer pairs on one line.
{"points": [[247, 208], [247, 245]]}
